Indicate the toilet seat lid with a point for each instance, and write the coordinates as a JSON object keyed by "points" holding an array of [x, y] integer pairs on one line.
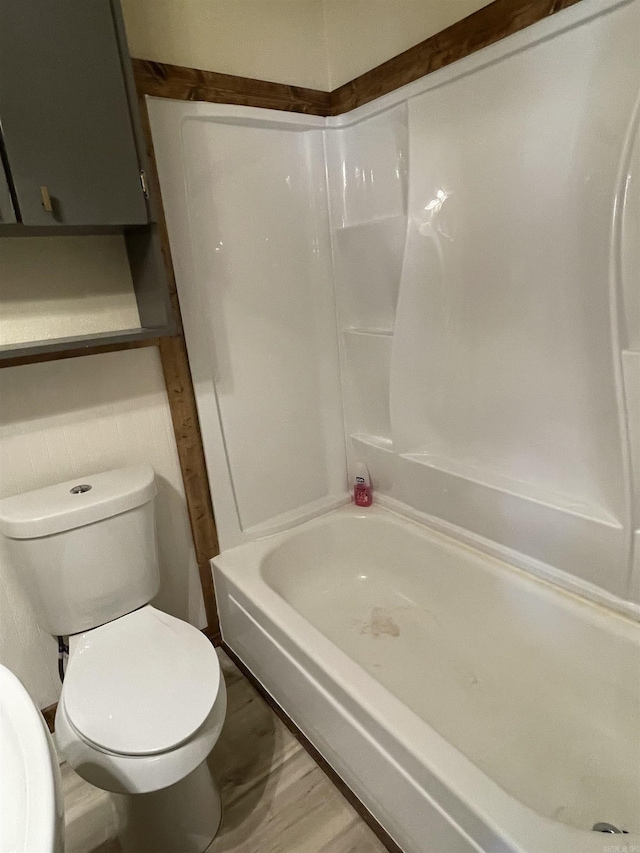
{"points": [[141, 684]]}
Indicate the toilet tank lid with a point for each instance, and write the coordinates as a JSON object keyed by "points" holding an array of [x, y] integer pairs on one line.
{"points": [[66, 506]]}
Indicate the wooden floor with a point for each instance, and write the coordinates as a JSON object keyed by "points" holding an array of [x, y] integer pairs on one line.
{"points": [[275, 798]]}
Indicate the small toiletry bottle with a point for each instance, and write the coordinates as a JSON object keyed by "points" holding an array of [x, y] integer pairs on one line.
{"points": [[362, 486]]}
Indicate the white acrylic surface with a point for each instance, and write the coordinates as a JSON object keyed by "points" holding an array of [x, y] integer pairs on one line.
{"points": [[366, 394], [495, 401], [368, 169], [516, 706], [486, 639], [254, 273], [510, 415], [496, 405], [629, 236], [368, 263], [504, 364]]}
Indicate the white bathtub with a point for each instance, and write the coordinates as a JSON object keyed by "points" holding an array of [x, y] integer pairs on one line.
{"points": [[467, 704]]}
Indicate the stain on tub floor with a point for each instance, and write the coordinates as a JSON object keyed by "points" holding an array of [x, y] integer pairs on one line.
{"points": [[276, 799], [381, 622]]}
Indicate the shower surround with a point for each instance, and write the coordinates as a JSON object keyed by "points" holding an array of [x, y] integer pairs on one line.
{"points": [[444, 283]]}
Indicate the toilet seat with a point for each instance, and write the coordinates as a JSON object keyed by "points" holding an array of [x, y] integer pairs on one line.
{"points": [[138, 774], [142, 684]]}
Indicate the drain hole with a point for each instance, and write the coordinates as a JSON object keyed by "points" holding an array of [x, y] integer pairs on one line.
{"points": [[81, 489], [608, 827]]}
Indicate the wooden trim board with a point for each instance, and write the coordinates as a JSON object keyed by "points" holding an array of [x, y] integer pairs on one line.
{"points": [[317, 756], [49, 714], [191, 84], [488, 25]]}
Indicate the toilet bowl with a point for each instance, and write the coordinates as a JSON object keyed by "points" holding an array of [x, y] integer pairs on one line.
{"points": [[143, 700], [142, 705]]}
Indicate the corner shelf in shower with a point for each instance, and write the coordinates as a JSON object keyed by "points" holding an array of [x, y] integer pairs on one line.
{"points": [[373, 222], [377, 453], [368, 259], [487, 481], [376, 333], [377, 442], [367, 369]]}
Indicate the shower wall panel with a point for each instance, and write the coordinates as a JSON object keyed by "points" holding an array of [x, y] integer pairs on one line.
{"points": [[248, 220], [480, 228]]}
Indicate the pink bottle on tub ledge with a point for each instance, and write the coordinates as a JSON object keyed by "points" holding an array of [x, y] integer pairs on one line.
{"points": [[362, 486]]}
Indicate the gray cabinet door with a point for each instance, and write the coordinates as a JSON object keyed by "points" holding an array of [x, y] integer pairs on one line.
{"points": [[65, 116]]}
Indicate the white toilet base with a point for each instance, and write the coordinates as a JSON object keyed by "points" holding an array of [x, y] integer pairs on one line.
{"points": [[183, 818]]}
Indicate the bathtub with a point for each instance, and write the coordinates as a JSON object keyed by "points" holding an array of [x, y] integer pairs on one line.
{"points": [[469, 705]]}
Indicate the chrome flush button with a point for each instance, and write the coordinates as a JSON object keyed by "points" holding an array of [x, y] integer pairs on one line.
{"points": [[78, 490]]}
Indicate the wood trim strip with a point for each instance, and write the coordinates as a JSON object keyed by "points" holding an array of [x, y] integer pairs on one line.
{"points": [[317, 756], [182, 403], [488, 25], [49, 714], [214, 636], [186, 428], [162, 80]]}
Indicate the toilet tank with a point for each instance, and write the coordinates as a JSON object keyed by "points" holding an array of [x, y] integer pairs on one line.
{"points": [[84, 551]]}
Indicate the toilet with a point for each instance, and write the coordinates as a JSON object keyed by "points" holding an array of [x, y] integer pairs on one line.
{"points": [[143, 699]]}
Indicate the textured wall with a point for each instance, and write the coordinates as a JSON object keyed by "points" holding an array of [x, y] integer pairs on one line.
{"points": [[57, 287], [65, 419], [316, 43], [279, 40], [364, 33]]}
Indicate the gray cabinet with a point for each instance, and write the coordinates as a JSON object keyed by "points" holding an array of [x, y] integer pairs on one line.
{"points": [[66, 117], [72, 153]]}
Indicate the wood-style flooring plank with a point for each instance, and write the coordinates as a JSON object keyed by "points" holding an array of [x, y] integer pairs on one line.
{"points": [[90, 819]]}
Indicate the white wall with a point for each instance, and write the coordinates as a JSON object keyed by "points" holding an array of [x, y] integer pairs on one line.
{"points": [[278, 40], [64, 419], [364, 33], [317, 43]]}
